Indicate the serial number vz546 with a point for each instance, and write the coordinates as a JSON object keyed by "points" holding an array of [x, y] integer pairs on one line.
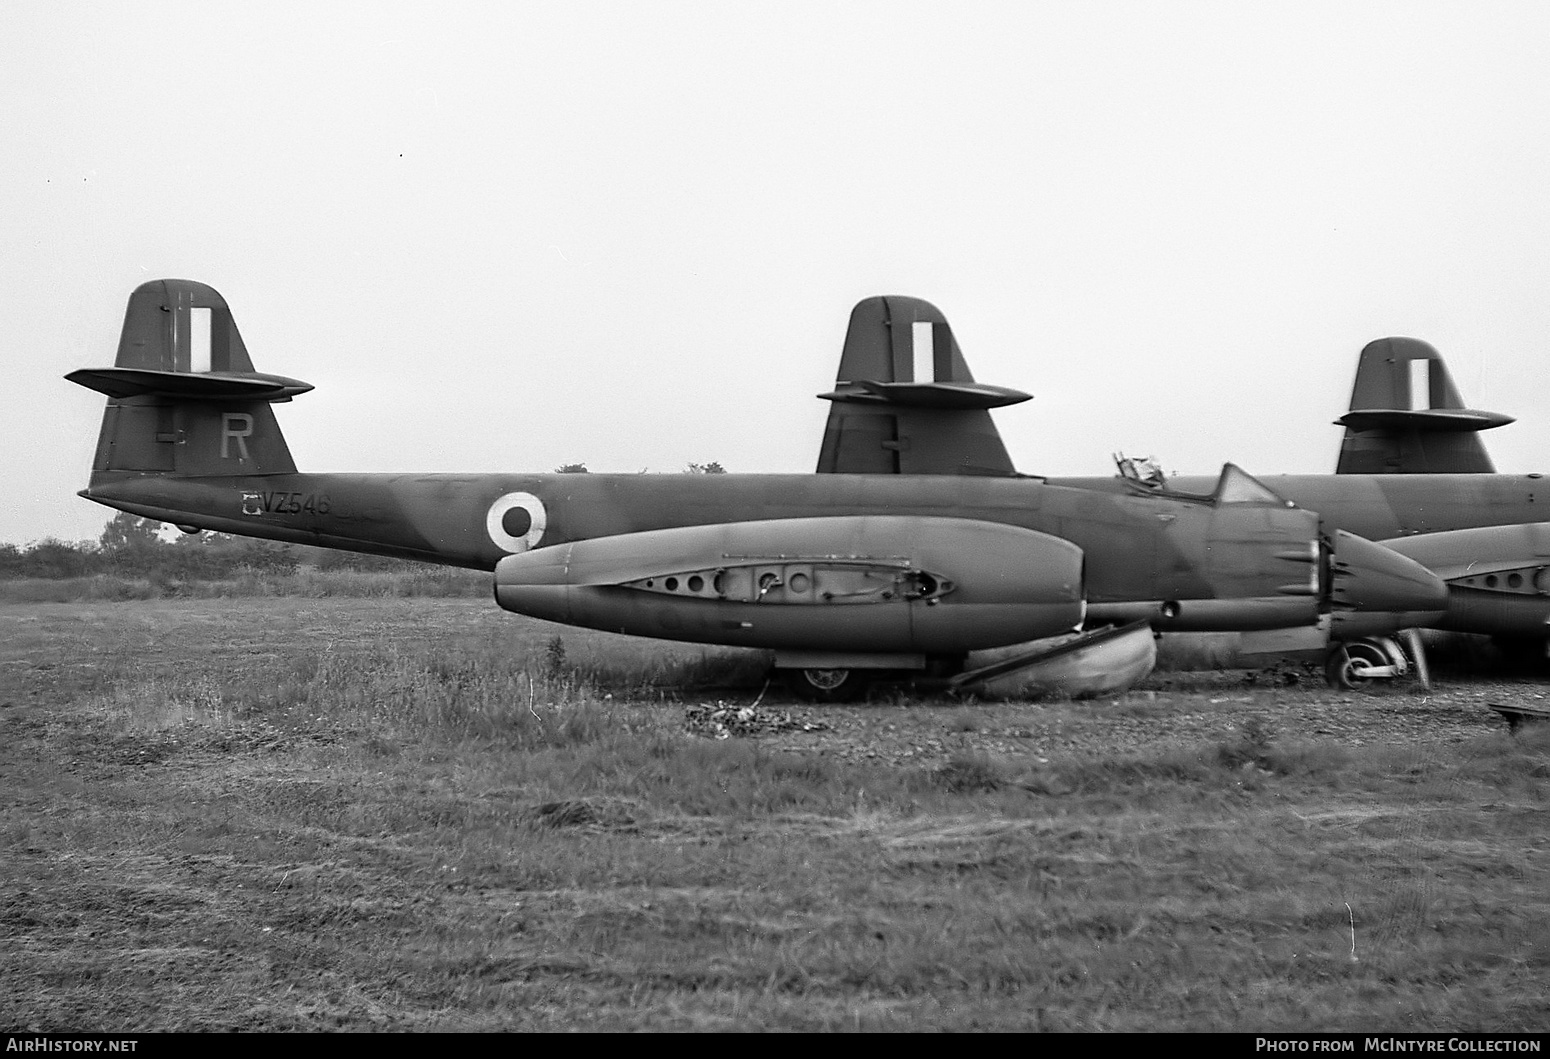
{"points": [[284, 503]]}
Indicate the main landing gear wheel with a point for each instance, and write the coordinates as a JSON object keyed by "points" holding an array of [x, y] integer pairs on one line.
{"points": [[827, 685], [1344, 667]]}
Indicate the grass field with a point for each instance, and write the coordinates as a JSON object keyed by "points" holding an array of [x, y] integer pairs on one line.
{"points": [[375, 813]]}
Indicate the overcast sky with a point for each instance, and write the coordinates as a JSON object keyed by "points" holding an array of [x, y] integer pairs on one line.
{"points": [[506, 236]]}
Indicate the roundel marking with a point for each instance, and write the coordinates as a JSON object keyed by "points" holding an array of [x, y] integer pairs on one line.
{"points": [[509, 513]]}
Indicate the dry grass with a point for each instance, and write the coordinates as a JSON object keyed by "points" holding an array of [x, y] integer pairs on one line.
{"points": [[303, 814]]}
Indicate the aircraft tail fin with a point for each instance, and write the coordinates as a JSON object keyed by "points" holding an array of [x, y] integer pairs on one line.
{"points": [[183, 398], [1407, 416], [904, 401]]}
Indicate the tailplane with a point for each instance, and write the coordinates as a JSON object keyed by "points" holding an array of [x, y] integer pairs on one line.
{"points": [[183, 398], [904, 401], [1407, 417]]}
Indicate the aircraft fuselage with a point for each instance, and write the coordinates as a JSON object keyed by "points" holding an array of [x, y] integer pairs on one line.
{"points": [[1131, 542], [1204, 565]]}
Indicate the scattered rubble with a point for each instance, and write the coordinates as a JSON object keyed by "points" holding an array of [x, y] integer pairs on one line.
{"points": [[722, 721]]}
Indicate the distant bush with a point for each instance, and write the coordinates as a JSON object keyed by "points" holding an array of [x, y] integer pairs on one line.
{"points": [[98, 587], [51, 558]]}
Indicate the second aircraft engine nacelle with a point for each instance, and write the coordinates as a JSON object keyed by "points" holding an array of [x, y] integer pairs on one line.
{"points": [[1498, 577], [883, 583]]}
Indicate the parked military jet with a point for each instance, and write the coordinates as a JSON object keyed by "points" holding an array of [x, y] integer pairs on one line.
{"points": [[840, 574], [1411, 475]]}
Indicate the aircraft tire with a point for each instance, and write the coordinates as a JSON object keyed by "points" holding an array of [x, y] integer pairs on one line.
{"points": [[827, 685], [1341, 664]]}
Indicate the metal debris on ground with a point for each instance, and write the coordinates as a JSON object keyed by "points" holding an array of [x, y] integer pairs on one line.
{"points": [[721, 721], [1517, 715]]}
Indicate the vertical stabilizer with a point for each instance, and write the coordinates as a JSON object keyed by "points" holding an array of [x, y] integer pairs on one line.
{"points": [[904, 401], [182, 326], [183, 398], [1407, 416]]}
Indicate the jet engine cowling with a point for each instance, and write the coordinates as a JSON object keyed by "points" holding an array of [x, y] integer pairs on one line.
{"points": [[1374, 590], [1498, 577], [900, 584]]}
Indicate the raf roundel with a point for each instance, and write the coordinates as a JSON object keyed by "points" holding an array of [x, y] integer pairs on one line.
{"points": [[516, 522]]}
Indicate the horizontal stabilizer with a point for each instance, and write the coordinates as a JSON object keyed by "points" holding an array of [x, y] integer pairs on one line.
{"points": [[207, 386], [1440, 420], [942, 395]]}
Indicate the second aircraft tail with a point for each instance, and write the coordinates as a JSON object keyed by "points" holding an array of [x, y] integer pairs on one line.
{"points": [[1407, 417]]}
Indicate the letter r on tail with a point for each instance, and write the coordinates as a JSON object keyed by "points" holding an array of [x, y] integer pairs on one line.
{"points": [[235, 426]]}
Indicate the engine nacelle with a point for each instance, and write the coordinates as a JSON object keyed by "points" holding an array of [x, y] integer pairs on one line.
{"points": [[1498, 577], [1374, 591], [887, 584]]}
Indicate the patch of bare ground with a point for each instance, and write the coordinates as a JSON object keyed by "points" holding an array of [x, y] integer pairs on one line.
{"points": [[375, 814]]}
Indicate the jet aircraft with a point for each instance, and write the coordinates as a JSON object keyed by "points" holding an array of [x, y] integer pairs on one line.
{"points": [[917, 546], [1412, 475]]}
